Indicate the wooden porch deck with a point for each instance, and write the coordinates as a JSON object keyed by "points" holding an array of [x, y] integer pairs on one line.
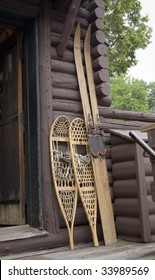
{"points": [[122, 250]]}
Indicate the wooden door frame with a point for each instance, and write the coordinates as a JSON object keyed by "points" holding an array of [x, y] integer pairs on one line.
{"points": [[31, 98], [32, 125]]}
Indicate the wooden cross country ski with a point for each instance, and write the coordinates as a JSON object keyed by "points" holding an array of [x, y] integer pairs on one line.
{"points": [[95, 137], [63, 174], [84, 173]]}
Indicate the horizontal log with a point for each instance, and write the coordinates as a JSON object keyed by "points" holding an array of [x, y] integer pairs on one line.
{"points": [[60, 17], [67, 106], [128, 226], [152, 224], [148, 167], [100, 63], [127, 115], [119, 124], [101, 76], [127, 207], [55, 37], [95, 14], [70, 115], [105, 101], [97, 38], [97, 25], [124, 170], [63, 66], [123, 152], [68, 94], [68, 55], [125, 188], [80, 218], [94, 4], [99, 50], [85, 4], [83, 12], [66, 81], [103, 89], [58, 26]]}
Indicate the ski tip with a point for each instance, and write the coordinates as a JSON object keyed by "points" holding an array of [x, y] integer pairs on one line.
{"points": [[78, 28]]}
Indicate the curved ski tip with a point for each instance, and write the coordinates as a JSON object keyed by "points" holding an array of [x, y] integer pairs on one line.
{"points": [[78, 28]]}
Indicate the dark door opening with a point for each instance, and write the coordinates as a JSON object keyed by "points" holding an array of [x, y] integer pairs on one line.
{"points": [[12, 181]]}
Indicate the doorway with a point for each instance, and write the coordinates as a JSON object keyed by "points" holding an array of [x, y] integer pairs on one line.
{"points": [[12, 178]]}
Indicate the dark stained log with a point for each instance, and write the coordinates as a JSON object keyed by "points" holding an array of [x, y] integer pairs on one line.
{"points": [[105, 101], [99, 63], [97, 38], [125, 188], [103, 89], [101, 76], [70, 115], [60, 16], [69, 23], [107, 124], [127, 207], [94, 4], [97, 25], [123, 152], [68, 56], [83, 13], [127, 115], [128, 226], [69, 94], [57, 27], [62, 80], [80, 218], [83, 22], [99, 50], [152, 190], [124, 170], [148, 184], [67, 106], [95, 14], [117, 140], [24, 9], [148, 167], [85, 4], [109, 163], [152, 223], [151, 205], [61, 5], [63, 67]]}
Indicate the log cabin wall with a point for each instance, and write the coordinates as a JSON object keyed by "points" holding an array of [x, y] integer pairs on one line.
{"points": [[133, 205], [60, 93], [65, 90], [60, 96]]}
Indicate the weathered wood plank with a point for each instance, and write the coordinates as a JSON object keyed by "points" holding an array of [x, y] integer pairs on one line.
{"points": [[20, 232]]}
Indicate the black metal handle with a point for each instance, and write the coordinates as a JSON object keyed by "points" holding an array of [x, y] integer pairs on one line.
{"points": [[142, 143]]}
